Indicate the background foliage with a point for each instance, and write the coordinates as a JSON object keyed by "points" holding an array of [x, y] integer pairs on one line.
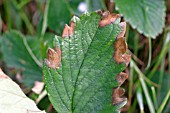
{"points": [[27, 28]]}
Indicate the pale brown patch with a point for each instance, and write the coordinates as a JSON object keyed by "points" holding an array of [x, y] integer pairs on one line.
{"points": [[126, 58], [116, 96], [68, 30], [120, 48], [54, 58], [108, 18], [120, 45], [123, 28], [105, 14], [121, 78]]}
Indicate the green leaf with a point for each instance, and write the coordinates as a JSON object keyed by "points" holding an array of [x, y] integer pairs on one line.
{"points": [[14, 100], [147, 16], [59, 13], [84, 81], [17, 55], [74, 6], [93, 5], [39, 46]]}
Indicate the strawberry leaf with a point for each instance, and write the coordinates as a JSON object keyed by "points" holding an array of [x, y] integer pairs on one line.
{"points": [[81, 71], [147, 16], [17, 55]]}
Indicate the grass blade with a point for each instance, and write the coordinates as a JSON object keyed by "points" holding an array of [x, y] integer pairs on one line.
{"points": [[148, 98], [164, 102]]}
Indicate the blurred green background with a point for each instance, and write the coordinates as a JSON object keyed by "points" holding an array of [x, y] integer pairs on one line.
{"points": [[27, 28]]}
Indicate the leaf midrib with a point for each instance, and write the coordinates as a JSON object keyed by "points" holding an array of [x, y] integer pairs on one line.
{"points": [[80, 68], [100, 57]]}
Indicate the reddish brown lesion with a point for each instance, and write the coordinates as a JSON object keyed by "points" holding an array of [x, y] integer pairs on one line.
{"points": [[117, 96], [123, 29], [107, 18], [69, 30], [121, 78], [119, 92], [121, 47], [120, 55], [54, 58]]}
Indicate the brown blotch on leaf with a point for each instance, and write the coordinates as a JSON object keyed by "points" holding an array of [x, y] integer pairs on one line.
{"points": [[123, 27], [126, 58], [120, 45], [116, 96], [54, 58], [68, 30], [121, 78], [105, 14], [120, 55], [107, 18]]}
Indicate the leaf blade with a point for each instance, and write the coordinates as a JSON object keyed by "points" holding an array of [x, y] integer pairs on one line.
{"points": [[147, 16], [58, 17], [19, 57], [86, 51]]}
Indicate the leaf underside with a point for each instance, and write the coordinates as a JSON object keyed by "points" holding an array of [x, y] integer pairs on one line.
{"points": [[13, 99], [85, 79], [147, 16]]}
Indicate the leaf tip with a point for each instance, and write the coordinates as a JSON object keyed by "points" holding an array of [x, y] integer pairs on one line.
{"points": [[69, 30], [75, 19], [107, 18], [123, 27], [117, 96], [54, 58], [120, 55], [121, 78]]}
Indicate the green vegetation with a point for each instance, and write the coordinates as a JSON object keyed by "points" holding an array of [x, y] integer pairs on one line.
{"points": [[28, 28]]}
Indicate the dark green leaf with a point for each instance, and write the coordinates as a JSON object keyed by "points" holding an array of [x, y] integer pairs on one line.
{"points": [[74, 5], [87, 5], [39, 46], [147, 16], [16, 55], [58, 14], [86, 77], [93, 5]]}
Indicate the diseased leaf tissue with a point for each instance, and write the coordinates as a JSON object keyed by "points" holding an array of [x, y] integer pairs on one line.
{"points": [[83, 72], [54, 57]]}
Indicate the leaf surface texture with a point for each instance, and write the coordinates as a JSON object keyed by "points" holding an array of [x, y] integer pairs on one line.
{"points": [[147, 16], [84, 81]]}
